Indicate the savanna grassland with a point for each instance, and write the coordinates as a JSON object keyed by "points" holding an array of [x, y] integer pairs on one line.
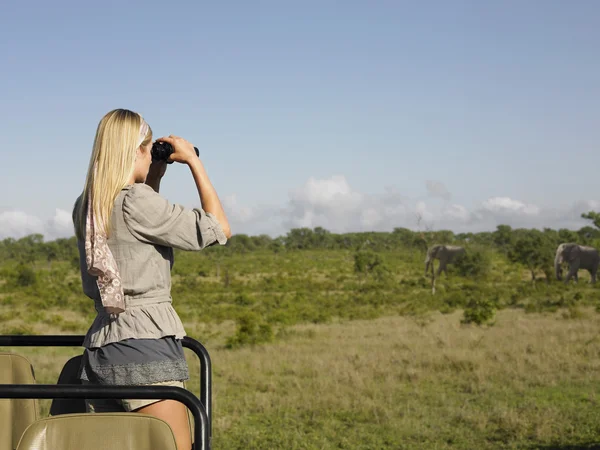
{"points": [[324, 341]]}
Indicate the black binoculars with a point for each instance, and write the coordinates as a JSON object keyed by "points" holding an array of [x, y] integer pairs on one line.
{"points": [[162, 150]]}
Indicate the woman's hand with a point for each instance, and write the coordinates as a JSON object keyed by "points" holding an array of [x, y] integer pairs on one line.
{"points": [[183, 151]]}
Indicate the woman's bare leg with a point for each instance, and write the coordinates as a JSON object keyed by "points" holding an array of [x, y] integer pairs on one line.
{"points": [[175, 414]]}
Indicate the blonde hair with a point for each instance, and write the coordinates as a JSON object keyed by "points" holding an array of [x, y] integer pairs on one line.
{"points": [[111, 166]]}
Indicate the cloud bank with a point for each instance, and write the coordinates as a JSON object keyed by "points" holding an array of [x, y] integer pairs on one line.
{"points": [[333, 204], [17, 224]]}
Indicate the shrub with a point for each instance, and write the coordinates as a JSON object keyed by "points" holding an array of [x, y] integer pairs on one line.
{"points": [[250, 331], [26, 276], [367, 262], [475, 262], [479, 311]]}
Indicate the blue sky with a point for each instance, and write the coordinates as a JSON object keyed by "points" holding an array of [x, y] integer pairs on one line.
{"points": [[349, 115]]}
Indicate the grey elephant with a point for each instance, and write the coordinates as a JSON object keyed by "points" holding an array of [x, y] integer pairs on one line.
{"points": [[578, 257], [446, 254]]}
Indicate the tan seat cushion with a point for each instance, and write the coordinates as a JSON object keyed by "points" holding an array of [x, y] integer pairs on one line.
{"points": [[100, 431], [15, 414]]}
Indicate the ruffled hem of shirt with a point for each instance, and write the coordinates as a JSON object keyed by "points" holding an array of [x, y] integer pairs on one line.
{"points": [[217, 229], [152, 321]]}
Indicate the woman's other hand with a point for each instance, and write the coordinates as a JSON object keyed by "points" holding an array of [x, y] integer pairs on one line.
{"points": [[155, 174], [183, 151], [157, 169]]}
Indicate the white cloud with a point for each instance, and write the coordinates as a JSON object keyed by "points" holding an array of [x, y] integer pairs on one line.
{"points": [[61, 225], [321, 202], [17, 224], [456, 212], [252, 220], [237, 212], [327, 195], [422, 212], [505, 205], [333, 204], [370, 218]]}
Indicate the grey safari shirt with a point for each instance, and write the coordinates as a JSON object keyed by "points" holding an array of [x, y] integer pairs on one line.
{"points": [[145, 228]]}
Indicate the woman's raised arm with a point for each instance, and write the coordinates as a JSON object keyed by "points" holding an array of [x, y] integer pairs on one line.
{"points": [[183, 152]]}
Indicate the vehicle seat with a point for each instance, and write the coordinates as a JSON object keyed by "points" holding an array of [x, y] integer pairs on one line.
{"points": [[99, 431], [15, 414]]}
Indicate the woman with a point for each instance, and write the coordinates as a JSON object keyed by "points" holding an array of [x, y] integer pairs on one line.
{"points": [[126, 233]]}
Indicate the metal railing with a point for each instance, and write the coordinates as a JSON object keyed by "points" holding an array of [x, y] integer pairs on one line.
{"points": [[60, 340]]}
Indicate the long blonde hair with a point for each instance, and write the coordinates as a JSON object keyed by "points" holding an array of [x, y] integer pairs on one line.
{"points": [[111, 166]]}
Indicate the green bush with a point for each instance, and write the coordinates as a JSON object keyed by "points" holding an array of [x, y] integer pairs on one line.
{"points": [[250, 331], [367, 262], [475, 262], [479, 311], [26, 276]]}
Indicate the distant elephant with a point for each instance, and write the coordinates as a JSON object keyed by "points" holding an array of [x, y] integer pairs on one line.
{"points": [[578, 257], [445, 254]]}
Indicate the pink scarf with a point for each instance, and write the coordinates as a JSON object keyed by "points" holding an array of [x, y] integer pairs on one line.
{"points": [[99, 259]]}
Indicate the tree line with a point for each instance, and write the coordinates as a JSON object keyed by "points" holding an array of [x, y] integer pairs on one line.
{"points": [[533, 248]]}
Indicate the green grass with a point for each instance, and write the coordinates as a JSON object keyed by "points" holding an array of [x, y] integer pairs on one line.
{"points": [[530, 381], [309, 354]]}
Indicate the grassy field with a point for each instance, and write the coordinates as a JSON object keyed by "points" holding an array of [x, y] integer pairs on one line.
{"points": [[423, 382], [309, 353]]}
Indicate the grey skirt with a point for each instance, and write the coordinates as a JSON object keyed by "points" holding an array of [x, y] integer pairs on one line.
{"points": [[135, 362]]}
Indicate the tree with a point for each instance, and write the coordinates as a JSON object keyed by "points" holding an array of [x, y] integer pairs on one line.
{"points": [[51, 251], [321, 238], [262, 241], [534, 250], [587, 234], [240, 243], [299, 238], [28, 248], [403, 235], [565, 235], [440, 237], [503, 237], [593, 216]]}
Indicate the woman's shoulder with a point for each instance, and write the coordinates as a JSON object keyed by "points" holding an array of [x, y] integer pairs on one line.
{"points": [[141, 202], [138, 189], [140, 192]]}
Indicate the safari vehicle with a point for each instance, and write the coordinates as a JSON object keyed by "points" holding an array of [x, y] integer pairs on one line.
{"points": [[68, 426]]}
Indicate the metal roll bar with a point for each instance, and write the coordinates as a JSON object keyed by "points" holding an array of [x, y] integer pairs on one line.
{"points": [[61, 340]]}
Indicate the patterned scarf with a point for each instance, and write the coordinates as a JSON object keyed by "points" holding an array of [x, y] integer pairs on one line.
{"points": [[99, 259]]}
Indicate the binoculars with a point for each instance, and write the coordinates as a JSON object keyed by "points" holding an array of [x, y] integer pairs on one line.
{"points": [[162, 150]]}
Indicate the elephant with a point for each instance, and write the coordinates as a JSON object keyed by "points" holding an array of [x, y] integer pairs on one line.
{"points": [[578, 257], [445, 254]]}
